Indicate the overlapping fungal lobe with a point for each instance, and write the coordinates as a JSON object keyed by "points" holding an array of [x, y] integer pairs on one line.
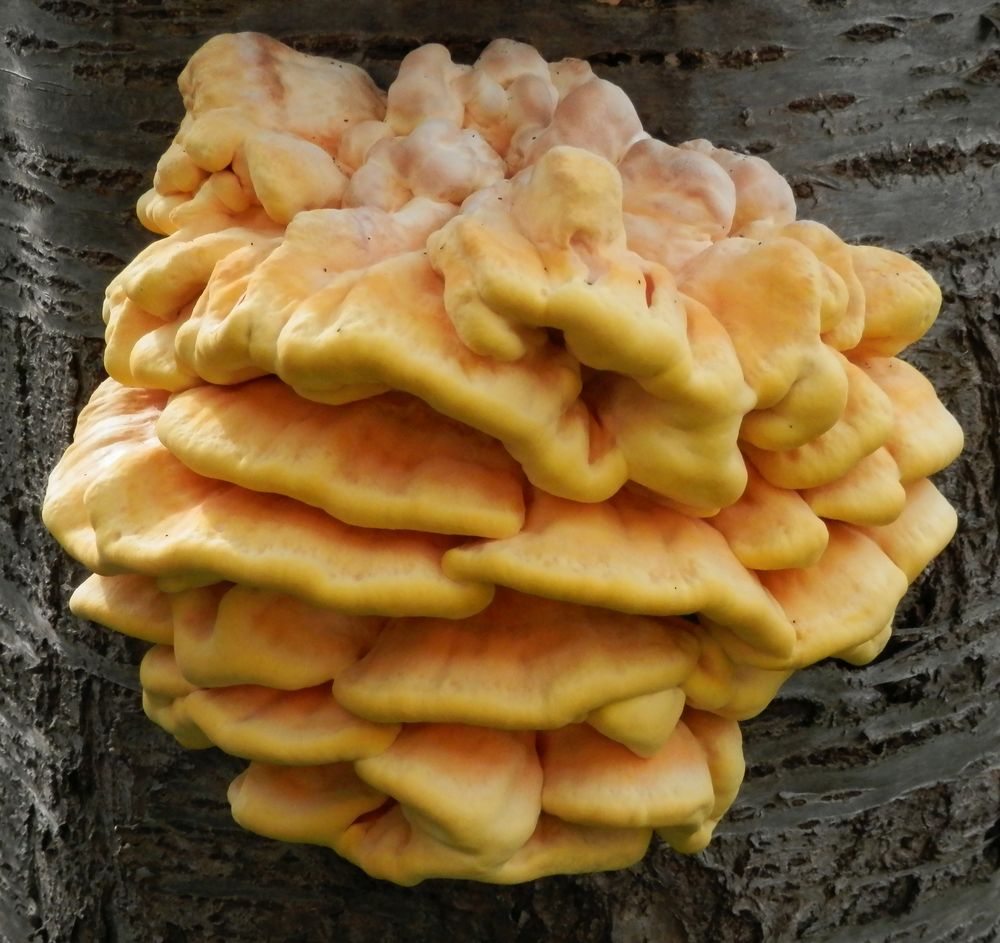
{"points": [[474, 463]]}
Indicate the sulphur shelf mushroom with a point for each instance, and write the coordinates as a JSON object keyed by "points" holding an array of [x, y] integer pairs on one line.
{"points": [[474, 462]]}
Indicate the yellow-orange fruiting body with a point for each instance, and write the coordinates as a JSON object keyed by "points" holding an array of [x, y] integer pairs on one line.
{"points": [[474, 462]]}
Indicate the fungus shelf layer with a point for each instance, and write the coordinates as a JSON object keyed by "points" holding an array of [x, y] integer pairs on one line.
{"points": [[474, 462]]}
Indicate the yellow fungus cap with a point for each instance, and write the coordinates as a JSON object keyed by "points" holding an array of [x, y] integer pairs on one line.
{"points": [[592, 780], [867, 651], [676, 202], [762, 194], [311, 804], [435, 161], [233, 331], [293, 136], [225, 635], [525, 662], [769, 298], [290, 175], [723, 746], [643, 723], [387, 462], [174, 271], [475, 789], [145, 348], [901, 301], [842, 309], [924, 437], [592, 115], [298, 728], [920, 532], [632, 556], [730, 687], [869, 493], [109, 427], [130, 604], [771, 528], [139, 347], [865, 425], [164, 697], [843, 600]]}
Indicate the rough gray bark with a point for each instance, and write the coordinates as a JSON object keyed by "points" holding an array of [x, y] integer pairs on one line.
{"points": [[872, 806]]}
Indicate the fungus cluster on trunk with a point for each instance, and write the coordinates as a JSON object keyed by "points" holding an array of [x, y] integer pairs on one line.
{"points": [[474, 462]]}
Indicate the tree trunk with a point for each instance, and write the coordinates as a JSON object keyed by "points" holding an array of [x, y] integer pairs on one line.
{"points": [[870, 810]]}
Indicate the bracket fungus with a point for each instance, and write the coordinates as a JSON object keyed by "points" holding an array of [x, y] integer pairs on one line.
{"points": [[474, 463]]}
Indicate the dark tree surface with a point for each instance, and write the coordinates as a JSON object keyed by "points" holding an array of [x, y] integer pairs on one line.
{"points": [[872, 806]]}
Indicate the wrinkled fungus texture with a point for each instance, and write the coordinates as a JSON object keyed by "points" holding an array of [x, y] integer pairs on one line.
{"points": [[474, 462]]}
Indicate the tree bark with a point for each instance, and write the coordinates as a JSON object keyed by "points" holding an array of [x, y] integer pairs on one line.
{"points": [[871, 809]]}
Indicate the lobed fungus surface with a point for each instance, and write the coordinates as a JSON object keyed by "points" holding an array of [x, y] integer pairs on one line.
{"points": [[474, 462]]}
